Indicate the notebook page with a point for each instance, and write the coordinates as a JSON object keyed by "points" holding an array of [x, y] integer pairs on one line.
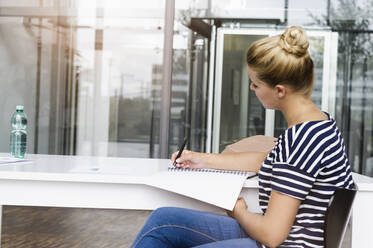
{"points": [[219, 189]]}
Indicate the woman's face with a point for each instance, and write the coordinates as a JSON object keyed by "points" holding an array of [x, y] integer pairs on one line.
{"points": [[266, 94]]}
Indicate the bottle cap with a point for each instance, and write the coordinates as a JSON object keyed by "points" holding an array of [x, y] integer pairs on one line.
{"points": [[19, 107]]}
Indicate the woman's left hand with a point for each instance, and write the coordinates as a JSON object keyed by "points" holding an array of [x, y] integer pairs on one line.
{"points": [[238, 209]]}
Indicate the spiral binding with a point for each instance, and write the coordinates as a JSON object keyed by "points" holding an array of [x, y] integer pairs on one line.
{"points": [[240, 173]]}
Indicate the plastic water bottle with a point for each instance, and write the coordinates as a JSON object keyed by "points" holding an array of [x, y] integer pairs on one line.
{"points": [[18, 136]]}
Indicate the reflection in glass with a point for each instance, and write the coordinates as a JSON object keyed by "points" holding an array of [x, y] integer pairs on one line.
{"points": [[89, 80], [355, 100], [119, 81], [242, 114], [316, 51], [189, 82]]}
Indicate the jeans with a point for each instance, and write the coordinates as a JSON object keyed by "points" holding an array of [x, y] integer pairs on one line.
{"points": [[181, 228]]}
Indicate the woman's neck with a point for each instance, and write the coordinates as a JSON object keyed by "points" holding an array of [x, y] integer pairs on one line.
{"points": [[300, 109]]}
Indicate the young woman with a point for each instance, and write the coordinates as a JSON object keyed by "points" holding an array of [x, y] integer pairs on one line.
{"points": [[296, 179]]}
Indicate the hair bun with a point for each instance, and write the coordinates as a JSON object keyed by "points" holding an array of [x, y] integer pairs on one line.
{"points": [[294, 41]]}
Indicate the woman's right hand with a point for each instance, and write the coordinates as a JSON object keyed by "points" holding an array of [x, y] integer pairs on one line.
{"points": [[189, 159]]}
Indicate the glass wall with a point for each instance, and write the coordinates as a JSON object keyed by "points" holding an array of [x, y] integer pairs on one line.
{"points": [[189, 101], [354, 102], [90, 73], [120, 67]]}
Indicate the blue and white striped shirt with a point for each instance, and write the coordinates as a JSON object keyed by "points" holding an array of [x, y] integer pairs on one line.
{"points": [[309, 163]]}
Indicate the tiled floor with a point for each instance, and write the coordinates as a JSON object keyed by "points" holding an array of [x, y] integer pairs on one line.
{"points": [[37, 227]]}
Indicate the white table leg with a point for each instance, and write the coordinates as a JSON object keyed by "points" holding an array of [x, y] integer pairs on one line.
{"points": [[362, 217]]}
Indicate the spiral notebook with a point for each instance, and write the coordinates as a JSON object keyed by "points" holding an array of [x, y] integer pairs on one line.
{"points": [[248, 174], [217, 187]]}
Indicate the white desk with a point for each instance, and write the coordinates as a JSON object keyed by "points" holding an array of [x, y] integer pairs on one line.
{"points": [[118, 183]]}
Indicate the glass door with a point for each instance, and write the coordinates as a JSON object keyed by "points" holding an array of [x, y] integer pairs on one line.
{"points": [[237, 113]]}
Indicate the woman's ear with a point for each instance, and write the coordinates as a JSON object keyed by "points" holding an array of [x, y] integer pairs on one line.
{"points": [[281, 91]]}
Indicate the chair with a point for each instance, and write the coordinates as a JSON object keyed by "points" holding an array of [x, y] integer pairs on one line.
{"points": [[337, 217]]}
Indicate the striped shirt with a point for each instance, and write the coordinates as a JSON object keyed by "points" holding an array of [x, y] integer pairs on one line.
{"points": [[308, 163]]}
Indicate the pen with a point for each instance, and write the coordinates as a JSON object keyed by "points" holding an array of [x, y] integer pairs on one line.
{"points": [[180, 151]]}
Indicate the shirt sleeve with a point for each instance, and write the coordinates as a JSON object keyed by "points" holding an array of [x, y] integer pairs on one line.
{"points": [[298, 160], [291, 180]]}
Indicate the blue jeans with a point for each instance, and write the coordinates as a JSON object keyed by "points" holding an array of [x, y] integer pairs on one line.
{"points": [[178, 228]]}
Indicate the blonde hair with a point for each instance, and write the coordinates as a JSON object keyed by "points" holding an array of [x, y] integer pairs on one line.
{"points": [[283, 59]]}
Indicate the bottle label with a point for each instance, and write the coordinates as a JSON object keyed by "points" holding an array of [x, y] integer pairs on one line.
{"points": [[18, 144]]}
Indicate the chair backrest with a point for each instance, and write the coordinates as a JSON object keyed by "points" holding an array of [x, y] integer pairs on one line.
{"points": [[337, 216]]}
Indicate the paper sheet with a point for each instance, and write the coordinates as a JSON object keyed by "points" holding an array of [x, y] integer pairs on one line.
{"points": [[219, 189], [8, 160]]}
